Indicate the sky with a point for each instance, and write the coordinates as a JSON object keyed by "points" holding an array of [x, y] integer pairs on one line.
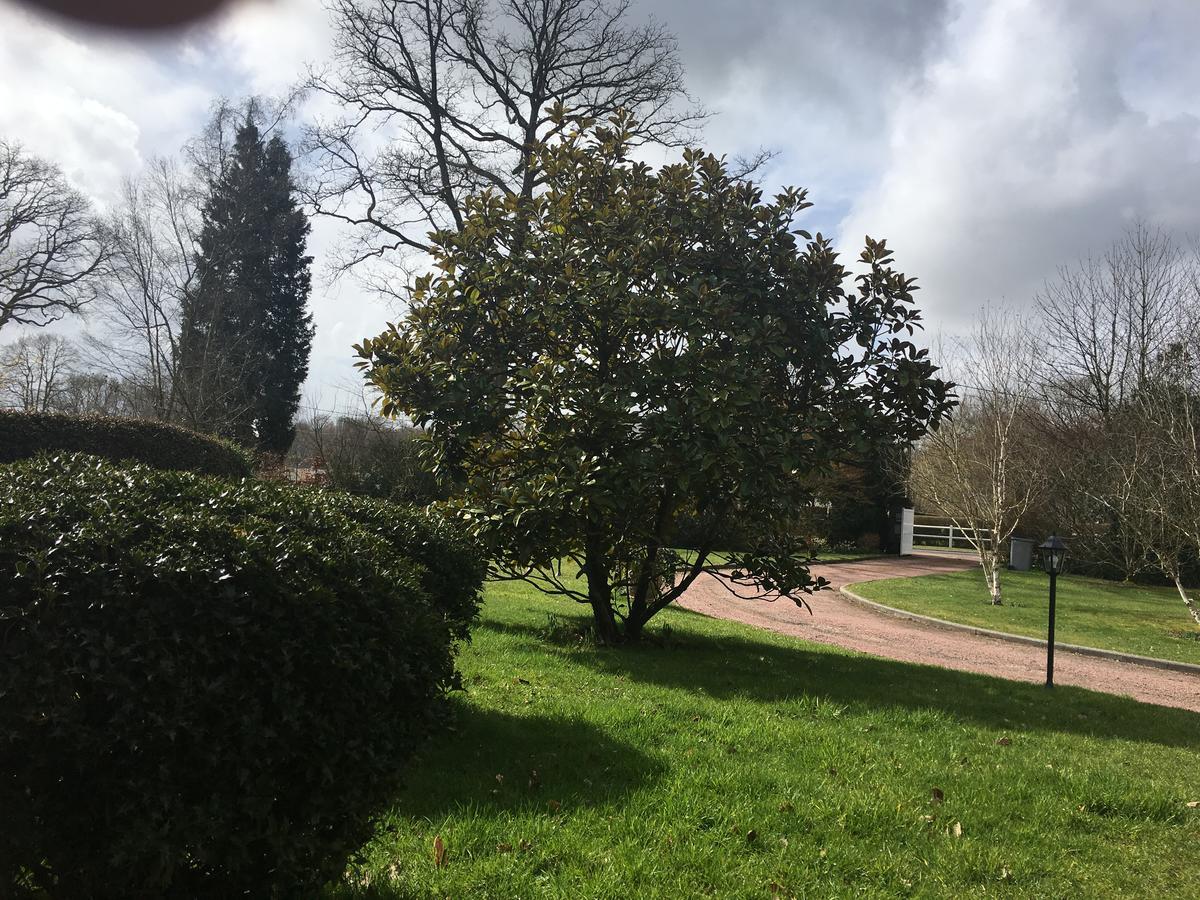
{"points": [[989, 141]]}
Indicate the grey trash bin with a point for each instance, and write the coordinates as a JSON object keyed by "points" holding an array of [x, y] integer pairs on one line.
{"points": [[1020, 554]]}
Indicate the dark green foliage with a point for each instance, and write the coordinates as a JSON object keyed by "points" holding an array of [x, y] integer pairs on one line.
{"points": [[247, 333], [632, 351], [862, 502], [451, 568], [156, 444], [208, 688]]}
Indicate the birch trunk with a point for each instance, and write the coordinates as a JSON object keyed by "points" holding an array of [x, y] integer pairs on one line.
{"points": [[1187, 601]]}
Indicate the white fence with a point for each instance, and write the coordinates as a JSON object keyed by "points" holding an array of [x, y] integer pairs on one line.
{"points": [[946, 537]]}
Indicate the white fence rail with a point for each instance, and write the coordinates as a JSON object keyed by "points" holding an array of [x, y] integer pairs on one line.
{"points": [[946, 537]]}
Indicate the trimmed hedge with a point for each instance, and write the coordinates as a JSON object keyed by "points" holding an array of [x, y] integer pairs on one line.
{"points": [[26, 434], [208, 688], [453, 569]]}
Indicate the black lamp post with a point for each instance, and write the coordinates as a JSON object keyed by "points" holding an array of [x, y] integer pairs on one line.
{"points": [[1054, 551]]}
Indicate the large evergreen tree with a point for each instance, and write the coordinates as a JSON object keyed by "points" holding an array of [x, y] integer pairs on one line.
{"points": [[247, 332], [632, 351]]}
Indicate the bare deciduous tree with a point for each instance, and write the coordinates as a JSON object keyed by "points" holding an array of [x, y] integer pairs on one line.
{"points": [[94, 393], [51, 245], [1109, 322], [443, 98], [1108, 319], [1087, 497], [1159, 455], [34, 371], [154, 232], [978, 468]]}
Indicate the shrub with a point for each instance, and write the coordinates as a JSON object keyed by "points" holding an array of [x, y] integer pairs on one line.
{"points": [[371, 457], [208, 688], [157, 444], [452, 567]]}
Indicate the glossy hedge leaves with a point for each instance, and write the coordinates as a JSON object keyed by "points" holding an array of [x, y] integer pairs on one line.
{"points": [[209, 687], [26, 434]]}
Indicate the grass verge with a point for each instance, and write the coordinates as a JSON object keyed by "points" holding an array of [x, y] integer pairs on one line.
{"points": [[728, 762], [1148, 621]]}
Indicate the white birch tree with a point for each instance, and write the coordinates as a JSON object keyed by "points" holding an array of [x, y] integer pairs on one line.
{"points": [[978, 469]]}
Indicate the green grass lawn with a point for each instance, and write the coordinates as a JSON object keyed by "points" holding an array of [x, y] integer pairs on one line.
{"points": [[729, 762], [1149, 621]]}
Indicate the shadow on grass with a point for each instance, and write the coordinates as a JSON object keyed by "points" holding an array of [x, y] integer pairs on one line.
{"points": [[494, 760], [496, 764], [729, 666]]}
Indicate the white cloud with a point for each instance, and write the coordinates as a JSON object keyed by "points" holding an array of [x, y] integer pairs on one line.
{"points": [[270, 41], [96, 104], [99, 105], [989, 142], [1023, 147]]}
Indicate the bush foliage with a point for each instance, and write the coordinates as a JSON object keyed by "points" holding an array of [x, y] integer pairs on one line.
{"points": [[157, 444], [633, 352], [208, 688], [451, 567]]}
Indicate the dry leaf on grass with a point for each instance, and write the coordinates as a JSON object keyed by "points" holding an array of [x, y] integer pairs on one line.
{"points": [[439, 852]]}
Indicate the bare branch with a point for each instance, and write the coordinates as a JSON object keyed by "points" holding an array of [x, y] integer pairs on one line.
{"points": [[442, 99], [51, 245], [34, 372], [979, 468]]}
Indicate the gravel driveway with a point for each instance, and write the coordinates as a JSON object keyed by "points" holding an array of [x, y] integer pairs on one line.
{"points": [[836, 620]]}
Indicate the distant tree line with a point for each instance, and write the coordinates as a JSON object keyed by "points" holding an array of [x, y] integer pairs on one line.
{"points": [[1083, 419], [365, 454], [198, 281]]}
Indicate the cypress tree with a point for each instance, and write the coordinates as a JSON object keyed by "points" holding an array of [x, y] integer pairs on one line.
{"points": [[247, 332]]}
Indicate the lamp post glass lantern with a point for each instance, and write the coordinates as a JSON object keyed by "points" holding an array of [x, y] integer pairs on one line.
{"points": [[1054, 552]]}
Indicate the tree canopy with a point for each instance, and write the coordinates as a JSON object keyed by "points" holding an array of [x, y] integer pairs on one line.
{"points": [[51, 244], [436, 100], [631, 346], [246, 331]]}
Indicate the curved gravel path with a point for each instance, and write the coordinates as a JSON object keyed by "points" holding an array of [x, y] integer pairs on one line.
{"points": [[836, 620]]}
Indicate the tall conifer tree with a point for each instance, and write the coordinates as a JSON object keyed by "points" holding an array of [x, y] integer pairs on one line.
{"points": [[247, 332]]}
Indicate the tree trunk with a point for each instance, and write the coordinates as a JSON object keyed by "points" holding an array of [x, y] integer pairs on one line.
{"points": [[640, 603], [1187, 601], [607, 631], [633, 629], [600, 594], [990, 561]]}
